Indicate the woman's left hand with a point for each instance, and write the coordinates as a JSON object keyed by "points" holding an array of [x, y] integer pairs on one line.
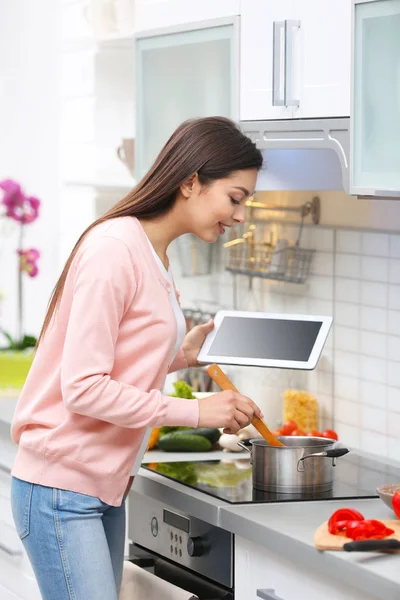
{"points": [[194, 340]]}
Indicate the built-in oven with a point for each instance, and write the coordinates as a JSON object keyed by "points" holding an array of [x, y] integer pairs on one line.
{"points": [[180, 549]]}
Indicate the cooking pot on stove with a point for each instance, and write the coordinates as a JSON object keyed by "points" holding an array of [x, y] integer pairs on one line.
{"points": [[303, 464]]}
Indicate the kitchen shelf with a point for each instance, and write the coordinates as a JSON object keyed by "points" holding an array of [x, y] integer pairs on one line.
{"points": [[120, 185], [119, 39]]}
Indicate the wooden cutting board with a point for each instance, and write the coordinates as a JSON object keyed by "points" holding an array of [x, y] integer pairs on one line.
{"points": [[323, 540]]}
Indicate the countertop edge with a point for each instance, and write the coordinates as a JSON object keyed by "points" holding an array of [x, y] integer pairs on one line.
{"points": [[328, 563]]}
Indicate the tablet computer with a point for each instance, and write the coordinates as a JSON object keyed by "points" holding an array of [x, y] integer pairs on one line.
{"points": [[260, 339]]}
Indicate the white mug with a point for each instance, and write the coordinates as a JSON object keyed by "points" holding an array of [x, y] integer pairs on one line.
{"points": [[101, 16], [126, 153]]}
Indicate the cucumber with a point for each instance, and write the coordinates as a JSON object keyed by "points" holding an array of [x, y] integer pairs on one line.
{"points": [[211, 434], [177, 442]]}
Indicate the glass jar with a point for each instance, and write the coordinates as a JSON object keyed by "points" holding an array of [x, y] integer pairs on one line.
{"points": [[302, 408]]}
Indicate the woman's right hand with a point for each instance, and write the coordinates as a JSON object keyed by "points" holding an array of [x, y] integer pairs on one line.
{"points": [[227, 409]]}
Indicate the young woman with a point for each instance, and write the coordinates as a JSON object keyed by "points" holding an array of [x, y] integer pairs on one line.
{"points": [[112, 332]]}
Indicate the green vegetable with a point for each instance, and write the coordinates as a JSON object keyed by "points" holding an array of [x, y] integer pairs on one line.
{"points": [[170, 429], [211, 434], [183, 390], [177, 442], [181, 471]]}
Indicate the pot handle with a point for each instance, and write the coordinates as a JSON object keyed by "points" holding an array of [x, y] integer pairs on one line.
{"points": [[244, 447], [333, 453]]}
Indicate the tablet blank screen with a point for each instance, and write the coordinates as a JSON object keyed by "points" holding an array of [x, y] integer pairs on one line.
{"points": [[274, 339]]}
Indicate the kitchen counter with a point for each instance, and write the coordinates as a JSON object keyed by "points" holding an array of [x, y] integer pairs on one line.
{"points": [[287, 529]]}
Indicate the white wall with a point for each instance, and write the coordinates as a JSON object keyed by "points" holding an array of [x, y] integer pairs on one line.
{"points": [[29, 143]]}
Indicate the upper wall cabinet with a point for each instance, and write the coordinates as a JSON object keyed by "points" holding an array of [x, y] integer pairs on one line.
{"points": [[375, 118], [295, 59], [155, 14], [183, 73]]}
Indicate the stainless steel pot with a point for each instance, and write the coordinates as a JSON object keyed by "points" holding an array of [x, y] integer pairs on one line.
{"points": [[298, 466]]}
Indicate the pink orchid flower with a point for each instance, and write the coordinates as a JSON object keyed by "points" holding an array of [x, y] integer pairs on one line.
{"points": [[21, 208], [28, 261]]}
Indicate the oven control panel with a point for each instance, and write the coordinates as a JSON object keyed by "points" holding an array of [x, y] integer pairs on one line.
{"points": [[183, 539]]}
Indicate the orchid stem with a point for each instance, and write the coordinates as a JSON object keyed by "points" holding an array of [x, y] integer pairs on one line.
{"points": [[20, 290]]}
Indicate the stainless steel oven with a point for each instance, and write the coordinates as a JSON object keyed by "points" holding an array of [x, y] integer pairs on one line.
{"points": [[181, 549]]}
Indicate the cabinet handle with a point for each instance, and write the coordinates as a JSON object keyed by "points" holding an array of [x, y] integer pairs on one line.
{"points": [[10, 551], [268, 595], [277, 99], [289, 27]]}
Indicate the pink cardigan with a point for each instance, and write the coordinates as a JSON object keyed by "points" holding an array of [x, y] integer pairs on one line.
{"points": [[94, 386]]}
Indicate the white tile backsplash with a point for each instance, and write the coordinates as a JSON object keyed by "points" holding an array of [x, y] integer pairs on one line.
{"points": [[374, 244], [355, 278], [393, 399], [373, 319], [394, 297], [393, 424], [374, 269], [374, 294], [393, 348], [346, 387], [394, 246], [348, 241], [322, 239], [394, 271], [348, 265], [373, 369], [347, 290], [347, 363], [393, 376], [347, 412], [393, 448], [347, 314], [373, 394], [347, 338], [373, 344], [374, 419]]}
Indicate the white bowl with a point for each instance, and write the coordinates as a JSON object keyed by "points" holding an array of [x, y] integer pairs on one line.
{"points": [[386, 492]]}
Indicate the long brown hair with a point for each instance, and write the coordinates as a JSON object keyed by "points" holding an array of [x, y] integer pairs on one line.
{"points": [[212, 147]]}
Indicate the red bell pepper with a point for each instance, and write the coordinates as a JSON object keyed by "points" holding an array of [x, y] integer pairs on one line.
{"points": [[368, 529], [351, 523], [339, 519]]}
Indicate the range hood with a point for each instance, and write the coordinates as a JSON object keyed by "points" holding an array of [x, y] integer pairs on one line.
{"points": [[309, 154]]}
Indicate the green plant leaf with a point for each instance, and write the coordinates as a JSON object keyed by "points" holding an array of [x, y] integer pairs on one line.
{"points": [[13, 345]]}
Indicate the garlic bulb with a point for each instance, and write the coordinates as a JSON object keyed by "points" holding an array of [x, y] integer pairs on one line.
{"points": [[229, 442]]}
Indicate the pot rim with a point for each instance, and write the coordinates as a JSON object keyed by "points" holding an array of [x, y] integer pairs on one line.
{"points": [[260, 442]]}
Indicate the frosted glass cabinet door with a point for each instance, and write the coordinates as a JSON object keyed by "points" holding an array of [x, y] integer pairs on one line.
{"points": [[375, 142], [183, 75]]}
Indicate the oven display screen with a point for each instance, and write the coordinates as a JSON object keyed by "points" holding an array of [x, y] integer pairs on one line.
{"points": [[177, 521]]}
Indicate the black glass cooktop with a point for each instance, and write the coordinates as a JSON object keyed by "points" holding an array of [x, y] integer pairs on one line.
{"points": [[231, 479]]}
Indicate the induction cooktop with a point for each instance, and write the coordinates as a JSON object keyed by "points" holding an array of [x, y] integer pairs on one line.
{"points": [[230, 480]]}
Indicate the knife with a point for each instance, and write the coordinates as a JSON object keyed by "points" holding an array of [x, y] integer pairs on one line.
{"points": [[372, 545]]}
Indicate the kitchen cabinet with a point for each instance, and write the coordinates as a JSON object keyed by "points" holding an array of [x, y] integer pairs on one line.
{"points": [[182, 74], [155, 14], [295, 59], [375, 117], [261, 573]]}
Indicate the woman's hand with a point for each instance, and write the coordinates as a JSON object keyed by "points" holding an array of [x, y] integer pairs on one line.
{"points": [[194, 340], [227, 409]]}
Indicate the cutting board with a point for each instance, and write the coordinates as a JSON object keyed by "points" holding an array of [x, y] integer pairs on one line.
{"points": [[323, 540]]}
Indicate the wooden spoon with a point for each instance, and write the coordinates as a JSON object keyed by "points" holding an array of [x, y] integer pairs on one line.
{"points": [[217, 375]]}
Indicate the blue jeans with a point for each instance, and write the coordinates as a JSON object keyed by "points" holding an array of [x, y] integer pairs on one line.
{"points": [[74, 542]]}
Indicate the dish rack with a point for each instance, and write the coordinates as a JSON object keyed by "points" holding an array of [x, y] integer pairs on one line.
{"points": [[291, 264], [283, 261]]}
